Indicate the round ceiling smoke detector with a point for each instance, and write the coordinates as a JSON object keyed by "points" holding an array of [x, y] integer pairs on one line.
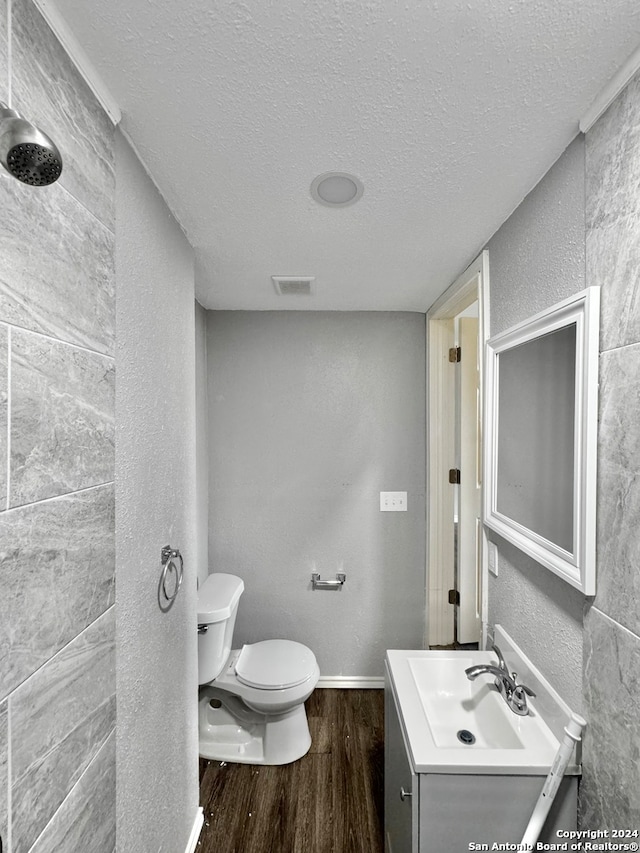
{"points": [[337, 189]]}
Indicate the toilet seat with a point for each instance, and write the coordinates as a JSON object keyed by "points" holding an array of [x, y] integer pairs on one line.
{"points": [[274, 664]]}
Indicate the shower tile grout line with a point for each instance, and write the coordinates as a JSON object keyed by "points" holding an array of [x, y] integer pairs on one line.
{"points": [[74, 786], [615, 622], [9, 777], [56, 340], [60, 497], [8, 460], [58, 652], [91, 213]]}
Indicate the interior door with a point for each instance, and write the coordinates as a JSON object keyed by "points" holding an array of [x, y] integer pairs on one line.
{"points": [[468, 502], [445, 581]]}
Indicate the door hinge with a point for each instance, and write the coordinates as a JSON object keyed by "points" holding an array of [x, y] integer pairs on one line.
{"points": [[454, 596], [454, 476], [455, 354]]}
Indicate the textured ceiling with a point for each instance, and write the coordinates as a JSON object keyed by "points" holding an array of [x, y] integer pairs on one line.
{"points": [[448, 111]]}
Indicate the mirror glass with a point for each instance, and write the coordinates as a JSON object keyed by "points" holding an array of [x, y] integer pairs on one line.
{"points": [[535, 471]]}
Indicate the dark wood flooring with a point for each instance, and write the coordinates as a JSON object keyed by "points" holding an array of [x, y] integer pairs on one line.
{"points": [[330, 801]]}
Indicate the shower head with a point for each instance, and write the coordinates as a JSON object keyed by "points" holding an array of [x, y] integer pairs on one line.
{"points": [[26, 152]]}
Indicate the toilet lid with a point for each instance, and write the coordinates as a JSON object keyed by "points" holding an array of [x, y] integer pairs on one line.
{"points": [[275, 664]]}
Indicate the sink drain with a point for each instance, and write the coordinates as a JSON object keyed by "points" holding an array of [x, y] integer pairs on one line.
{"points": [[465, 736]]}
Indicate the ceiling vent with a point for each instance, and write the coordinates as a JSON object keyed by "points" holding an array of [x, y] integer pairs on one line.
{"points": [[293, 285]]}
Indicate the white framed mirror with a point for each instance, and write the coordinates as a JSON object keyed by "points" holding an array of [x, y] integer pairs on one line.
{"points": [[541, 429]]}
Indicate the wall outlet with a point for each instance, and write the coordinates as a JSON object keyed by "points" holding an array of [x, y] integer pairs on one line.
{"points": [[393, 501]]}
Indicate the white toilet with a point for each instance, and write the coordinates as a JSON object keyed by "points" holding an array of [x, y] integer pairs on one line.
{"points": [[251, 700]]}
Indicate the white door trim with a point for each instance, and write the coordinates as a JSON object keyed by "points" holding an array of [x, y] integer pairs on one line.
{"points": [[471, 285]]}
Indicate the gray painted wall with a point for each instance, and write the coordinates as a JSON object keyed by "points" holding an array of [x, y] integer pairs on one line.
{"points": [[580, 227], [311, 415], [537, 258], [157, 793], [57, 632]]}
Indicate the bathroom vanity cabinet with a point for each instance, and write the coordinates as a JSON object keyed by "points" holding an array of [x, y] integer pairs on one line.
{"points": [[448, 809], [401, 788]]}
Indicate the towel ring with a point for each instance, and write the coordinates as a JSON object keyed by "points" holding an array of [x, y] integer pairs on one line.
{"points": [[168, 555]]}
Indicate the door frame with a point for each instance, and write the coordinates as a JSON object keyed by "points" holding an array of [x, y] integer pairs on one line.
{"points": [[471, 285]]}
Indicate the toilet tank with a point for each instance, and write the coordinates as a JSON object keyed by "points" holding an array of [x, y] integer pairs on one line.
{"points": [[217, 609]]}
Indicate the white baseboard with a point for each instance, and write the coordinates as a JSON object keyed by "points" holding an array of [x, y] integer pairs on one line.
{"points": [[195, 832], [345, 682]]}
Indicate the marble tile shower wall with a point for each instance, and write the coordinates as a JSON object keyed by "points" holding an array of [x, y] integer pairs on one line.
{"points": [[609, 791], [57, 555]]}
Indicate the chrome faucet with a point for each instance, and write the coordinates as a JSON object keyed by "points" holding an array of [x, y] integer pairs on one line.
{"points": [[514, 694]]}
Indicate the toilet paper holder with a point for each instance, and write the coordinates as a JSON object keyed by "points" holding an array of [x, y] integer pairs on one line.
{"points": [[317, 583]]}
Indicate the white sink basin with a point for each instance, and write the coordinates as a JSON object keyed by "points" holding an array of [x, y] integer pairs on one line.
{"points": [[437, 702], [453, 704]]}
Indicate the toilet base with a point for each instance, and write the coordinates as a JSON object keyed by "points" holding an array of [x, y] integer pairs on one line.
{"points": [[233, 732]]}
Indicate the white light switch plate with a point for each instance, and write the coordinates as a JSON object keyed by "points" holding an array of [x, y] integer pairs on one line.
{"points": [[393, 501]]}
